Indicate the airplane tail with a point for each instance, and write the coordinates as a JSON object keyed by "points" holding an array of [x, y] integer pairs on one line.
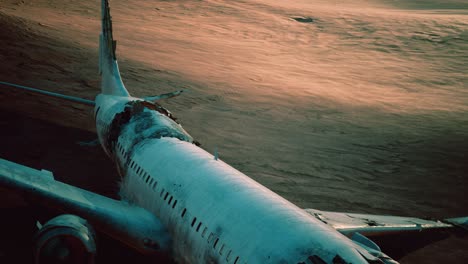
{"points": [[111, 82]]}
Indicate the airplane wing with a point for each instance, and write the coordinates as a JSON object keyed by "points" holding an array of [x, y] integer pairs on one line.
{"points": [[396, 235], [127, 223], [378, 225]]}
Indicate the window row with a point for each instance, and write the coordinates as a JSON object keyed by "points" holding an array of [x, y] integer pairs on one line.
{"points": [[148, 179], [122, 151], [198, 227], [222, 249]]}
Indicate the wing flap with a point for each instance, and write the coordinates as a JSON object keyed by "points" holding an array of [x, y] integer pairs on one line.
{"points": [[130, 224]]}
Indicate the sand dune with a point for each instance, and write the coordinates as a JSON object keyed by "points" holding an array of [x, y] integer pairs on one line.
{"points": [[338, 105]]}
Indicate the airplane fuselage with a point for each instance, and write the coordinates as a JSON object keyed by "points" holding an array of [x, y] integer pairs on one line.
{"points": [[213, 212]]}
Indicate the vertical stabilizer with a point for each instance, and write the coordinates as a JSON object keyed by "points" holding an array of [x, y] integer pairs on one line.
{"points": [[111, 82]]}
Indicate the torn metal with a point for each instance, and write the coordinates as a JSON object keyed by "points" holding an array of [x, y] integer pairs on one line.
{"points": [[144, 120]]}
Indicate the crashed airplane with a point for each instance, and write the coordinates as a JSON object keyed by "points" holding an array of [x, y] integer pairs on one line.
{"points": [[179, 199]]}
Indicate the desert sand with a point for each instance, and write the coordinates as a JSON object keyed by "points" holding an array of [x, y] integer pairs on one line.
{"points": [[357, 106]]}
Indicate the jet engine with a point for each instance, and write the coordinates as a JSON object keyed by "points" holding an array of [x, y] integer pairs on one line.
{"points": [[65, 239]]}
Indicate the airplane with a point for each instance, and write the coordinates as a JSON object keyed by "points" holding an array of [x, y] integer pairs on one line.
{"points": [[178, 199]]}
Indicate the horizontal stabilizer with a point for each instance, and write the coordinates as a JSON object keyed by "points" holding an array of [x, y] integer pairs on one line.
{"points": [[51, 94], [163, 96]]}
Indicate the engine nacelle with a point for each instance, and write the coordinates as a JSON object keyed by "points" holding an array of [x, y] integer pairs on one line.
{"points": [[65, 239]]}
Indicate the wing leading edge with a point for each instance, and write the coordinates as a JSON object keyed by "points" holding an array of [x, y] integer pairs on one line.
{"points": [[127, 223]]}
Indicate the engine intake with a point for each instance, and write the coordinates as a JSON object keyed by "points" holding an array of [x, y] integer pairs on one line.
{"points": [[65, 239]]}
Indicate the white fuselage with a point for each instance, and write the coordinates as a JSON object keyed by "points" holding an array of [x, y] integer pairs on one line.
{"points": [[213, 212]]}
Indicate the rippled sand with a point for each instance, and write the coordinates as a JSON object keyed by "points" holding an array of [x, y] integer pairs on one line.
{"points": [[357, 106]]}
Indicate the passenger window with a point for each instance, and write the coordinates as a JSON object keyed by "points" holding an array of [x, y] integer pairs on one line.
{"points": [[210, 237], [235, 261], [131, 165], [221, 250], [162, 192], [173, 206], [204, 232], [147, 178], [215, 243], [183, 212], [199, 225], [194, 220], [170, 200], [165, 197], [228, 257]]}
